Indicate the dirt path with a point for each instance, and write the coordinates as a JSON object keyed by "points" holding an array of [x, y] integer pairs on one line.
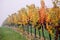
{"points": [[24, 33]]}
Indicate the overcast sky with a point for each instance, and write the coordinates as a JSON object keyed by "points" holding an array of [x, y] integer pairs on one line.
{"points": [[7, 7]]}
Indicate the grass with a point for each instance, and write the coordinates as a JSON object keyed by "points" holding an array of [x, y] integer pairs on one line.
{"points": [[46, 34], [9, 34]]}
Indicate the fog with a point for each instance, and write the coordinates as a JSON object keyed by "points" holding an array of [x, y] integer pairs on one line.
{"points": [[8, 7]]}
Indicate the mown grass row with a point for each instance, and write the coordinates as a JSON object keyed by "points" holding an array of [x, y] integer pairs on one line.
{"points": [[9, 34], [46, 33]]}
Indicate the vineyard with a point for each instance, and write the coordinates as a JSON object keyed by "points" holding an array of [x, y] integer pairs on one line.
{"points": [[37, 23]]}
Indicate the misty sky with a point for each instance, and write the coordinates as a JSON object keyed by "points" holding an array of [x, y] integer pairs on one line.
{"points": [[8, 7]]}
